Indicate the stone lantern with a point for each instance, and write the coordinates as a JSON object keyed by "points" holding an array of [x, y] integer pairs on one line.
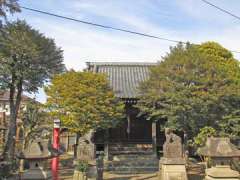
{"points": [[37, 154], [221, 152]]}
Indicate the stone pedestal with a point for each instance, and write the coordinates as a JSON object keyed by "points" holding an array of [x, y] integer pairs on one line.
{"points": [[92, 171], [173, 172], [78, 175], [221, 173], [37, 170], [172, 169], [172, 164], [36, 174]]}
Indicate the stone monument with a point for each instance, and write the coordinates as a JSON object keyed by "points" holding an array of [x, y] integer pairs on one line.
{"points": [[221, 151], [86, 148], [86, 152], [172, 164]]}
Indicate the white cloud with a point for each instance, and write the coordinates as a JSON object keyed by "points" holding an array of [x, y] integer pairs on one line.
{"points": [[83, 43]]}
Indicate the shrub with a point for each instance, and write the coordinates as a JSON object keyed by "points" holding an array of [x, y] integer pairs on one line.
{"points": [[82, 166], [202, 136]]}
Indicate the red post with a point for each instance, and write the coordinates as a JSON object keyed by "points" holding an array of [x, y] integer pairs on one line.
{"points": [[56, 134], [55, 160]]}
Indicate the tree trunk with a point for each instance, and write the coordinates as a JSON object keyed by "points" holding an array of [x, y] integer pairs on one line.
{"points": [[9, 149], [10, 143], [21, 163]]}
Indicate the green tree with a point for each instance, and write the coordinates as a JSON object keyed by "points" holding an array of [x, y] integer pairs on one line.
{"points": [[204, 133], [192, 87], [230, 125], [36, 123], [83, 101], [11, 6], [28, 59]]}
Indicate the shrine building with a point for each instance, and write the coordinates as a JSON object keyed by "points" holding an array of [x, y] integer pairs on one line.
{"points": [[124, 79]]}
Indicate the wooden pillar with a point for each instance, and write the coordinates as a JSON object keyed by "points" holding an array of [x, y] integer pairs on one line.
{"points": [[154, 137], [67, 145], [66, 140], [128, 126], [106, 146]]}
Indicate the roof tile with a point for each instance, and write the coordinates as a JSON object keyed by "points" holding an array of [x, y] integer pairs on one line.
{"points": [[124, 78]]}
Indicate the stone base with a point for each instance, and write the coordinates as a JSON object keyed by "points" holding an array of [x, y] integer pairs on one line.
{"points": [[221, 172], [173, 172], [36, 174], [79, 175], [92, 170], [172, 161]]}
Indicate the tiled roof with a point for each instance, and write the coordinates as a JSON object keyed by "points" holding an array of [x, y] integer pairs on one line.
{"points": [[124, 78], [4, 96], [219, 147]]}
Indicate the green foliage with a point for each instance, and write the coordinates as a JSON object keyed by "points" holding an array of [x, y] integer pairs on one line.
{"points": [[27, 60], [193, 87], [36, 122], [215, 50], [11, 6], [230, 125], [82, 166], [27, 57], [83, 101], [202, 136]]}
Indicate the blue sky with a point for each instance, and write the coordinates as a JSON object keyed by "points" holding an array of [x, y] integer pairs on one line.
{"points": [[186, 20]]}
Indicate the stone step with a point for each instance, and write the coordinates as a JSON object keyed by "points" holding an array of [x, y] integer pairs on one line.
{"points": [[134, 157], [133, 170], [131, 152], [130, 149], [128, 163], [130, 146]]}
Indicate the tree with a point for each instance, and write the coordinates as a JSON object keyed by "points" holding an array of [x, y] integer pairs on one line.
{"points": [[230, 102], [192, 87], [36, 123], [28, 59], [11, 6], [83, 101]]}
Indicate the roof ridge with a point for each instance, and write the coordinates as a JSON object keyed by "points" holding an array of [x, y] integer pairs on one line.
{"points": [[121, 63]]}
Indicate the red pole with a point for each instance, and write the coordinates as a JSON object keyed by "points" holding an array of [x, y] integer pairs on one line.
{"points": [[56, 134], [55, 160]]}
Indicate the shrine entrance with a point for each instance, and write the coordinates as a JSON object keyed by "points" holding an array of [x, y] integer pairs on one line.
{"points": [[135, 131]]}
